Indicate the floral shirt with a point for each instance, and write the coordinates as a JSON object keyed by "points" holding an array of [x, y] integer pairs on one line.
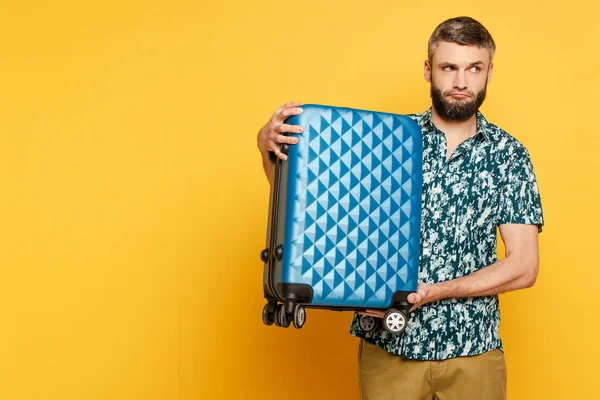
{"points": [[488, 181]]}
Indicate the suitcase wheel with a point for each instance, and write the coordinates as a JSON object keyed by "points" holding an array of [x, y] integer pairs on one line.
{"points": [[299, 316], [394, 321], [276, 317], [367, 323], [268, 314], [282, 317]]}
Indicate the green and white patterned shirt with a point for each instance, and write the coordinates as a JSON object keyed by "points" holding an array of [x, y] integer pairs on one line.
{"points": [[488, 181]]}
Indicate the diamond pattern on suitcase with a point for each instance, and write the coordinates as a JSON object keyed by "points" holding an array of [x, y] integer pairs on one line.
{"points": [[355, 193]]}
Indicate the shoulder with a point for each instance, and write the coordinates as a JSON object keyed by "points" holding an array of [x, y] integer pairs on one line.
{"points": [[505, 144], [420, 118], [416, 116]]}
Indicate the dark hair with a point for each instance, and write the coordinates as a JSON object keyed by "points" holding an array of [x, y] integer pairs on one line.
{"points": [[463, 31]]}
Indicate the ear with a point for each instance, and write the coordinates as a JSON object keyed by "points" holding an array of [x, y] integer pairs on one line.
{"points": [[490, 72], [427, 71]]}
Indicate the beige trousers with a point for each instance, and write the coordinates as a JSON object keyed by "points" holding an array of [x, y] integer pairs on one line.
{"points": [[384, 376]]}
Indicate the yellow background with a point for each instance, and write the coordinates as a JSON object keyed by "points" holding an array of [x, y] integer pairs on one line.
{"points": [[133, 203]]}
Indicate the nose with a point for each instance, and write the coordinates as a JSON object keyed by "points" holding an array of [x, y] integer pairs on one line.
{"points": [[460, 81]]}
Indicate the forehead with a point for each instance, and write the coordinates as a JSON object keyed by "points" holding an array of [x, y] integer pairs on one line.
{"points": [[454, 53]]}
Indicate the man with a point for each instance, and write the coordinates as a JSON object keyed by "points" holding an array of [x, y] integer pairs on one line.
{"points": [[476, 177]]}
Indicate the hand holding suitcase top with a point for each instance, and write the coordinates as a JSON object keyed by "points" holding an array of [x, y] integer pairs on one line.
{"points": [[343, 230]]}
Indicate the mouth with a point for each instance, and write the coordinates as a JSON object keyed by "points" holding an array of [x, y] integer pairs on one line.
{"points": [[459, 95]]}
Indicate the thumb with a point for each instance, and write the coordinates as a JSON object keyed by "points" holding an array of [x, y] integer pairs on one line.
{"points": [[414, 298]]}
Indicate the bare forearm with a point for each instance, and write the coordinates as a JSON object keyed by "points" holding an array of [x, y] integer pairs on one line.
{"points": [[517, 271], [503, 276]]}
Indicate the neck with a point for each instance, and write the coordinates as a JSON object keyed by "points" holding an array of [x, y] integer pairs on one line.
{"points": [[459, 129]]}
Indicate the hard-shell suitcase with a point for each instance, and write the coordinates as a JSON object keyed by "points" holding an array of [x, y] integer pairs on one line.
{"points": [[343, 230]]}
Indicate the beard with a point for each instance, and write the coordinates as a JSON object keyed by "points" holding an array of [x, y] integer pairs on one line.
{"points": [[458, 110]]}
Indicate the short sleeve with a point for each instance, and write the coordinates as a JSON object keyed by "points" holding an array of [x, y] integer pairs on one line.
{"points": [[520, 201]]}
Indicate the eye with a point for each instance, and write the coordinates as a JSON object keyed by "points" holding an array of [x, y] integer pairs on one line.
{"points": [[475, 69], [448, 68]]}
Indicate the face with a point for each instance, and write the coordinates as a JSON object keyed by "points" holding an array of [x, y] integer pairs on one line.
{"points": [[459, 76]]}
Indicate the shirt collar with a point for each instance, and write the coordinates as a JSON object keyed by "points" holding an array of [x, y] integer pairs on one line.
{"points": [[483, 126]]}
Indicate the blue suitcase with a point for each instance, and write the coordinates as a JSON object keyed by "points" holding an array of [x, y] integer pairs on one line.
{"points": [[343, 230]]}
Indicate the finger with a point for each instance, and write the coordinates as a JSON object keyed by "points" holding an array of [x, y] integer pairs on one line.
{"points": [[367, 312], [284, 139], [372, 313], [285, 106], [291, 111], [415, 306], [414, 298], [289, 128], [277, 151]]}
